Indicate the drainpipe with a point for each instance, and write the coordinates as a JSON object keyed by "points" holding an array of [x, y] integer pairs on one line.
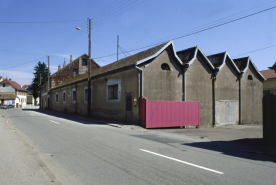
{"points": [[214, 95], [76, 107], [185, 68], [240, 99], [141, 81]]}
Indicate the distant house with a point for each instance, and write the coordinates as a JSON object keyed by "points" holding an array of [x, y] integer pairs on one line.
{"points": [[270, 83], [12, 93], [1, 78]]}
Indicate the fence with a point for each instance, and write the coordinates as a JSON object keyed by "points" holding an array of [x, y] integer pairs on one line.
{"points": [[157, 114]]}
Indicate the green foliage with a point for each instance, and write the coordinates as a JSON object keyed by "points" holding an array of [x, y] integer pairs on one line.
{"points": [[42, 69]]}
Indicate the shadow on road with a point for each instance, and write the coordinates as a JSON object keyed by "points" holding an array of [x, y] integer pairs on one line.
{"points": [[252, 149], [77, 117]]}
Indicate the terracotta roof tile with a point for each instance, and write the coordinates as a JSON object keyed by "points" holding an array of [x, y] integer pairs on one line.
{"points": [[270, 73]]}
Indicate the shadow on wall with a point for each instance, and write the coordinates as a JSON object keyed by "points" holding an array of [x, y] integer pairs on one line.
{"points": [[252, 149]]}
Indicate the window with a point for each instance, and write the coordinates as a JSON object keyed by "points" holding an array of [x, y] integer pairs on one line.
{"points": [[84, 62], [56, 97], [85, 94], [75, 71], [113, 92], [250, 77], [64, 96], [74, 95], [165, 66]]}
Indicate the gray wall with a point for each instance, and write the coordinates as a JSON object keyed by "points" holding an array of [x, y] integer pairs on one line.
{"points": [[199, 88], [227, 89], [7, 89], [252, 93], [161, 84]]}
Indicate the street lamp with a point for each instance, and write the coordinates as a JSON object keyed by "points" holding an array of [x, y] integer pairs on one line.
{"points": [[88, 66]]}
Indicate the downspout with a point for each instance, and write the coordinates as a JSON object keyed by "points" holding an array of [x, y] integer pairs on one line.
{"points": [[76, 107], [240, 99], [141, 81], [214, 95], [185, 68]]}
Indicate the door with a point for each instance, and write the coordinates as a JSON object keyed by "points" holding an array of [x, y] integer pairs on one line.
{"points": [[129, 108]]}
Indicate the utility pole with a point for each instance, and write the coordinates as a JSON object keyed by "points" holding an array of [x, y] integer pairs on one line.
{"points": [[48, 95], [117, 47], [89, 70], [40, 91]]}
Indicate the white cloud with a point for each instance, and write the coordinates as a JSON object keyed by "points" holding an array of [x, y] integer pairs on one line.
{"points": [[20, 77]]}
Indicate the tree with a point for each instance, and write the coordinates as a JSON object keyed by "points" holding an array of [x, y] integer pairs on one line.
{"points": [[42, 69]]}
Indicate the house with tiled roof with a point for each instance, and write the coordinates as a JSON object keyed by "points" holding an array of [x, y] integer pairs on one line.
{"points": [[12, 93], [270, 83], [1, 78], [161, 74]]}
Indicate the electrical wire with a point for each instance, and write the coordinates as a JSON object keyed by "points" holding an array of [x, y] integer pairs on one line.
{"points": [[256, 50], [23, 63], [40, 22]]}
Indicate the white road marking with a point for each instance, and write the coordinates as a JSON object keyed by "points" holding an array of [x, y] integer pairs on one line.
{"points": [[208, 169], [31, 114], [54, 122]]}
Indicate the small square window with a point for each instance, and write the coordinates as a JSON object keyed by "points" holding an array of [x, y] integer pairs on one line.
{"points": [[84, 62], [75, 71], [113, 92]]}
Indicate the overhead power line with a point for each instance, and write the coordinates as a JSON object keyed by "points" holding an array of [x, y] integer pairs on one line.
{"points": [[256, 50], [22, 64], [39, 22], [196, 32]]}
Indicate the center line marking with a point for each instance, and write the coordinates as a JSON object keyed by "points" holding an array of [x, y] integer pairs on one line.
{"points": [[208, 169], [54, 122]]}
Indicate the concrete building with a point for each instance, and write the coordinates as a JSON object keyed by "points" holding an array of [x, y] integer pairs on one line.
{"points": [[158, 73], [12, 93]]}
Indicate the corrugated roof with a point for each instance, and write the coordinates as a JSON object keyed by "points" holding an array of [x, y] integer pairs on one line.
{"points": [[131, 60], [14, 84], [186, 55], [217, 59], [270, 73], [241, 63]]}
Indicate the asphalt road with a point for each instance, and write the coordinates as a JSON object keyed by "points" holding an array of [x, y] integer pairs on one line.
{"points": [[86, 153]]}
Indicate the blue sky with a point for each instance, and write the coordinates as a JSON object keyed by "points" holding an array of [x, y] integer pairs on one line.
{"points": [[31, 30]]}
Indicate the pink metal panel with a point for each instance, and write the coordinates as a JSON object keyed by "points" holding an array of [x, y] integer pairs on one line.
{"points": [[156, 114]]}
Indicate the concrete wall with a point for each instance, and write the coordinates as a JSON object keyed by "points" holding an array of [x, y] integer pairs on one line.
{"points": [[227, 88], [199, 88], [252, 93], [161, 84]]}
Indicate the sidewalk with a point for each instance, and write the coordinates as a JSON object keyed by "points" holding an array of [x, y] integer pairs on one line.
{"points": [[237, 138], [18, 164]]}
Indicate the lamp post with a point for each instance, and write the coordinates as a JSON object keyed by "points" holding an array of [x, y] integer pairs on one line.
{"points": [[89, 68]]}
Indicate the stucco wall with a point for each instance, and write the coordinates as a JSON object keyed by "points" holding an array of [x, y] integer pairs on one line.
{"points": [[227, 88], [8, 88], [199, 88], [252, 93], [116, 109], [161, 84]]}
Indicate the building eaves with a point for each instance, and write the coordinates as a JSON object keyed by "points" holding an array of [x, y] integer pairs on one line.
{"points": [[217, 60], [241, 63]]}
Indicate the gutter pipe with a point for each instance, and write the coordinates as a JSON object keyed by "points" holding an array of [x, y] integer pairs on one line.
{"points": [[141, 81]]}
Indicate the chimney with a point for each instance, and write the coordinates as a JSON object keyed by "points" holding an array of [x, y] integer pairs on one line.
{"points": [[58, 67], [64, 63], [9, 78], [71, 58]]}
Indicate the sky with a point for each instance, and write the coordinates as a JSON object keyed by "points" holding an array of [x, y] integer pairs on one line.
{"points": [[32, 30]]}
